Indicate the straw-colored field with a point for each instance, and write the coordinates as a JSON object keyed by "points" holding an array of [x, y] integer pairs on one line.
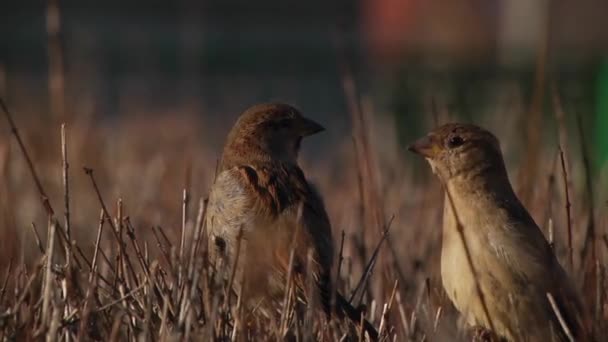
{"points": [[136, 188]]}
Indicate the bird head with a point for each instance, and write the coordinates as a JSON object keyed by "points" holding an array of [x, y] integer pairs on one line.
{"points": [[459, 149], [272, 130]]}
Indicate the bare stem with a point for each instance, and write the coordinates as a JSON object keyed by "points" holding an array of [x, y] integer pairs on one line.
{"points": [[568, 208], [66, 192], [45, 199], [46, 297], [460, 229]]}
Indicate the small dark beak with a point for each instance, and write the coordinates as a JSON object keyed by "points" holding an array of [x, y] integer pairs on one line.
{"points": [[426, 146], [310, 127]]}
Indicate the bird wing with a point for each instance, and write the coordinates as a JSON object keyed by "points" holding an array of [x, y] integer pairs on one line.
{"points": [[316, 230], [264, 201], [528, 256], [314, 220], [301, 209]]}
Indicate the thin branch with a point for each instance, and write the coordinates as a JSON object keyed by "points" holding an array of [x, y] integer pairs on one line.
{"points": [[182, 243], [66, 191], [45, 199], [197, 235], [121, 299], [372, 261], [568, 207], [97, 245], [590, 235], [48, 273], [460, 229], [37, 238], [5, 283], [335, 284], [235, 266], [560, 317]]}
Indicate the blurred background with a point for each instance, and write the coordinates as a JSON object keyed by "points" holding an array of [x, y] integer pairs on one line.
{"points": [[218, 57], [149, 89]]}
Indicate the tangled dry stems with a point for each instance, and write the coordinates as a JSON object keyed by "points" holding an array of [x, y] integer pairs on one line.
{"points": [[129, 278]]}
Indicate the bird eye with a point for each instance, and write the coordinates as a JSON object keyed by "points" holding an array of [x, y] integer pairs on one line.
{"points": [[455, 141], [276, 125], [272, 125], [284, 123]]}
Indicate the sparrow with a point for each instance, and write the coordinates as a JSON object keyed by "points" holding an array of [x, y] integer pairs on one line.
{"points": [[496, 265], [261, 205]]}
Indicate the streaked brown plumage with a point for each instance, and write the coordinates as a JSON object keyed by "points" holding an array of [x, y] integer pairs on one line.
{"points": [[261, 189], [515, 265]]}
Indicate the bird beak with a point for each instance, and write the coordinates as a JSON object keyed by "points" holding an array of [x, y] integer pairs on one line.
{"points": [[310, 127], [426, 146]]}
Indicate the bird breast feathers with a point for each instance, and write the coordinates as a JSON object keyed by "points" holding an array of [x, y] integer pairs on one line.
{"points": [[229, 202]]}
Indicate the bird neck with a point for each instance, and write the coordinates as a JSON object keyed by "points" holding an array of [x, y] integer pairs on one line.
{"points": [[252, 153], [488, 182], [245, 149], [251, 157], [471, 200]]}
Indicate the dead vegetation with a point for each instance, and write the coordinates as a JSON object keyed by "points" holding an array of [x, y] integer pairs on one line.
{"points": [[102, 234]]}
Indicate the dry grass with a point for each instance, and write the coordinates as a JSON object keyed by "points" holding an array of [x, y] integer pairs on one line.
{"points": [[116, 250]]}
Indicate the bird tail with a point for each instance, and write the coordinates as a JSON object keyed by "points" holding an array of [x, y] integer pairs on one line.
{"points": [[344, 308]]}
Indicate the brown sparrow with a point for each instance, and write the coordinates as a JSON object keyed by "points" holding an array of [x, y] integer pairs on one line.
{"points": [[512, 263], [261, 191]]}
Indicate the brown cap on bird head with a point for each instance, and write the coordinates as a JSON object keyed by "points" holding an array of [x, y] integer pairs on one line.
{"points": [[265, 131]]}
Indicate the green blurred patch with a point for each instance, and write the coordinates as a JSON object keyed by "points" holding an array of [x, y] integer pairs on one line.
{"points": [[601, 116]]}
